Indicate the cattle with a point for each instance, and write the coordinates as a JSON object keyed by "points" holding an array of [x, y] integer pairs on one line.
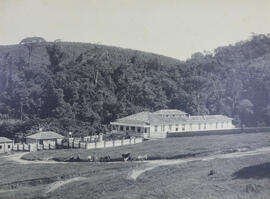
{"points": [[105, 159], [212, 172], [74, 159], [142, 157], [92, 158], [126, 157]]}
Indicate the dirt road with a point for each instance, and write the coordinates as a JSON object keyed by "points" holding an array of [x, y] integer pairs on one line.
{"points": [[52, 187], [157, 163]]}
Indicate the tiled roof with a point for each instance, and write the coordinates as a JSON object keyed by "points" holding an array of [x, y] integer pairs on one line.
{"points": [[45, 135], [146, 118], [170, 112], [4, 139], [210, 118], [131, 122], [141, 118]]}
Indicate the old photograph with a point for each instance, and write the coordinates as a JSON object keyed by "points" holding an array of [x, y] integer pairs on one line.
{"points": [[134, 99]]}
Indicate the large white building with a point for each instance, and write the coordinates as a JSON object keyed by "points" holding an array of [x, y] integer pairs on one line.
{"points": [[157, 124]]}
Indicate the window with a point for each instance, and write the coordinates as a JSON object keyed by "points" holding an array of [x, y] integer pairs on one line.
{"points": [[170, 127], [216, 125], [176, 127], [0, 146], [139, 129], [133, 128], [121, 128], [183, 127], [8, 146], [204, 125], [156, 128], [199, 126], [190, 126], [145, 130], [127, 128], [222, 125]]}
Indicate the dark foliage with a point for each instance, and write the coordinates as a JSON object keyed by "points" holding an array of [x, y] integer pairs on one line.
{"points": [[82, 87]]}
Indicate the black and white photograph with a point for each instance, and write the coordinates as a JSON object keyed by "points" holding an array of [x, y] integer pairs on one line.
{"points": [[134, 99]]}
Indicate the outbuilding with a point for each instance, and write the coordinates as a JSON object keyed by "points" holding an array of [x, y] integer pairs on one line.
{"points": [[44, 138], [6, 145]]}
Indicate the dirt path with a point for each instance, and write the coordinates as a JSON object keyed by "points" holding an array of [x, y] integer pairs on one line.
{"points": [[157, 163], [6, 190], [52, 187], [17, 157]]}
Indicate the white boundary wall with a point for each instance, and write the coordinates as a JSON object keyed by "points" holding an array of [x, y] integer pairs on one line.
{"points": [[77, 144]]}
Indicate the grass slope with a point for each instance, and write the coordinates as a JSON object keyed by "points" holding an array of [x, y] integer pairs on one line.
{"points": [[232, 177]]}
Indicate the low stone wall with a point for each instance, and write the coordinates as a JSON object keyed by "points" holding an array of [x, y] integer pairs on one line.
{"points": [[75, 143], [220, 132]]}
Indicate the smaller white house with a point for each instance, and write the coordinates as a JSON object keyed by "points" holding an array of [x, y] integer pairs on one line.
{"points": [[44, 137], [159, 123], [6, 145]]}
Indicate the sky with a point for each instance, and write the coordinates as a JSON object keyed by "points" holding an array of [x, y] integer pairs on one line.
{"points": [[175, 28]]}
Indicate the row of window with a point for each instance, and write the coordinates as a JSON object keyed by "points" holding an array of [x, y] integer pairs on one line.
{"points": [[132, 128], [200, 126], [173, 115]]}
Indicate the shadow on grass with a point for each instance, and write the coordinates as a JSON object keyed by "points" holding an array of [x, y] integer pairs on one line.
{"points": [[259, 171], [119, 159], [187, 155]]}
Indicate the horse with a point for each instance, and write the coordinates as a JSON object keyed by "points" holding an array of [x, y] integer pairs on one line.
{"points": [[142, 157], [126, 157]]}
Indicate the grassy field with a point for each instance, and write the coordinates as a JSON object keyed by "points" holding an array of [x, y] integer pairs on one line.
{"points": [[245, 177], [167, 148]]}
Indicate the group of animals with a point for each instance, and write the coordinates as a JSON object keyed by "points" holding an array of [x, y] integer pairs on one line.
{"points": [[125, 157]]}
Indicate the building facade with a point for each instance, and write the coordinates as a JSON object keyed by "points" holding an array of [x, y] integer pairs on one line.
{"points": [[158, 124], [6, 145]]}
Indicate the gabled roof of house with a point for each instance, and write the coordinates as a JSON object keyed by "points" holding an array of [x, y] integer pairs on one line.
{"points": [[4, 139], [45, 135]]}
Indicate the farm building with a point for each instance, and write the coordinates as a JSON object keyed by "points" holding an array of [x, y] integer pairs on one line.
{"points": [[6, 145], [44, 137], [157, 124]]}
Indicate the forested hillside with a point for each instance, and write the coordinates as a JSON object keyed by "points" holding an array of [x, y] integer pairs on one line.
{"points": [[80, 87]]}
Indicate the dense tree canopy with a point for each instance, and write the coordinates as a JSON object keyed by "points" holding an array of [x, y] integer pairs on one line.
{"points": [[82, 87]]}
